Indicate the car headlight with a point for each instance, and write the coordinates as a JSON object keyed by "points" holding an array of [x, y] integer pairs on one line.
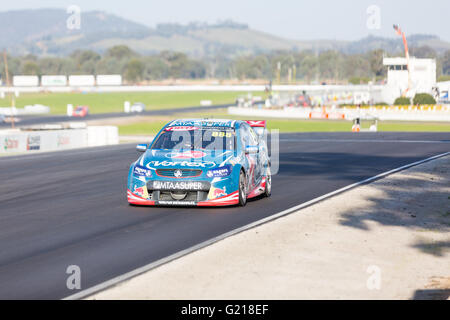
{"points": [[142, 172], [219, 172]]}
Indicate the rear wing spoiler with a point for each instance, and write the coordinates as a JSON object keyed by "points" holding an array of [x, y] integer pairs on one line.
{"points": [[257, 123], [259, 127]]}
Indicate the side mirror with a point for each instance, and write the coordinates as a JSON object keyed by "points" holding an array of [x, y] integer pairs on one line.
{"points": [[260, 131], [141, 147], [251, 149]]}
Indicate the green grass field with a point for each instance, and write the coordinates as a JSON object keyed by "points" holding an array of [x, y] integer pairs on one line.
{"points": [[113, 101], [345, 126], [143, 128]]}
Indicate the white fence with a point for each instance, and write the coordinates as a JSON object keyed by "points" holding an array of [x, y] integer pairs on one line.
{"points": [[50, 81], [79, 81], [25, 81], [14, 141], [109, 80]]}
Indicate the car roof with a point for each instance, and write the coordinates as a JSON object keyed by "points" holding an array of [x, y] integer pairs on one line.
{"points": [[227, 123]]}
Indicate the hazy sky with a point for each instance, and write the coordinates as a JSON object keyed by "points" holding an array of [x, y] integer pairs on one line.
{"points": [[296, 19]]}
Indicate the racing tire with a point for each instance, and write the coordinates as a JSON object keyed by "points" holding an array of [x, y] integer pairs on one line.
{"points": [[268, 188], [242, 190]]}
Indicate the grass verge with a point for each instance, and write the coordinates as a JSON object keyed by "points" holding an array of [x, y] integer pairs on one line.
{"points": [[285, 125]]}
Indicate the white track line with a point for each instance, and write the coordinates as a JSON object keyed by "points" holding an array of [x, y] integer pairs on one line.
{"points": [[362, 140], [138, 271], [63, 152]]}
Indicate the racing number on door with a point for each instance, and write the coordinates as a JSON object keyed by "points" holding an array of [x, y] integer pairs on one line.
{"points": [[221, 134]]}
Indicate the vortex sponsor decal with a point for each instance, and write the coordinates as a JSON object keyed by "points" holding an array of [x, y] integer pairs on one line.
{"points": [[186, 155], [182, 128], [191, 164]]}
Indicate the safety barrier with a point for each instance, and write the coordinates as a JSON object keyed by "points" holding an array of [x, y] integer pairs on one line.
{"points": [[395, 113], [16, 140]]}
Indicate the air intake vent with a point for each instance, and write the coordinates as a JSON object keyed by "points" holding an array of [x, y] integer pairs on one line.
{"points": [[179, 173]]}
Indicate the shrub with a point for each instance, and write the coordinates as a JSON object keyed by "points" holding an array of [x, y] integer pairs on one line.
{"points": [[402, 101], [359, 80], [444, 78], [423, 98]]}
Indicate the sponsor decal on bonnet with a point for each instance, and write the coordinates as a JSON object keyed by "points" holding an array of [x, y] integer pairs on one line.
{"points": [[193, 164], [186, 155]]}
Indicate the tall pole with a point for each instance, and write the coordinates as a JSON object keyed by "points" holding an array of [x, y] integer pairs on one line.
{"points": [[405, 44], [294, 76], [278, 72], [8, 83]]}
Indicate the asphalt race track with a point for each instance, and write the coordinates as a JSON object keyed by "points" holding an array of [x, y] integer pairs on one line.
{"points": [[44, 119], [69, 208]]}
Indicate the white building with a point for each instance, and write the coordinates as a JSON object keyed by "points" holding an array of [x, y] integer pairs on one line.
{"points": [[422, 73]]}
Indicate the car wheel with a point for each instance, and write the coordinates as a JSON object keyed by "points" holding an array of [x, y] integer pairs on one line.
{"points": [[268, 189], [242, 191]]}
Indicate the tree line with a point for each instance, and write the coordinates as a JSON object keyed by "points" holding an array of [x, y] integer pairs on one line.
{"points": [[284, 66]]}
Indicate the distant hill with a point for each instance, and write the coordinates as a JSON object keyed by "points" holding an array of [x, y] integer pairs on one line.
{"points": [[44, 32], [395, 45]]}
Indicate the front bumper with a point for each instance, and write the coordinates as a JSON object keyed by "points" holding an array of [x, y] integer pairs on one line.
{"points": [[226, 200]]}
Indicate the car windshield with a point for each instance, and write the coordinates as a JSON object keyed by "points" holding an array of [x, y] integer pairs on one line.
{"points": [[193, 138]]}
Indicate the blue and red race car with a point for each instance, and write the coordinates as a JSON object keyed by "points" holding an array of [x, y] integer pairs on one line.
{"points": [[202, 162], [80, 111]]}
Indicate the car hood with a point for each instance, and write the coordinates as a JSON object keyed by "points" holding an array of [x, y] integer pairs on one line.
{"points": [[201, 159]]}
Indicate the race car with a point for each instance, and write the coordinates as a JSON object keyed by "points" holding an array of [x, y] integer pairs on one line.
{"points": [[202, 162], [137, 107], [81, 111]]}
